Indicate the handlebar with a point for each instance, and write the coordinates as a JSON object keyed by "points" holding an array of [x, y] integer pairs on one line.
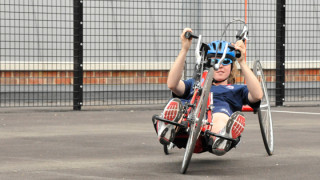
{"points": [[189, 35], [241, 35]]}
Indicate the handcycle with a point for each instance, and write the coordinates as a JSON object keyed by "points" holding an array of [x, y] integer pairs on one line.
{"points": [[194, 121]]}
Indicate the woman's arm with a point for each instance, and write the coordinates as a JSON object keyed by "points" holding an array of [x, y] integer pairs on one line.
{"points": [[174, 82], [255, 90]]}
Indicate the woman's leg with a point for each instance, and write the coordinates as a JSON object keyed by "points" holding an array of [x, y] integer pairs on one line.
{"points": [[219, 122]]}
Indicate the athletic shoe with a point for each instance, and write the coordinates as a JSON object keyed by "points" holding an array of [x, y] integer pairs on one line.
{"points": [[219, 146], [172, 112], [235, 125], [233, 129]]}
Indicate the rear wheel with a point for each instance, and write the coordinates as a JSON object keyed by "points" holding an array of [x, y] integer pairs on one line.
{"points": [[264, 112], [195, 125]]}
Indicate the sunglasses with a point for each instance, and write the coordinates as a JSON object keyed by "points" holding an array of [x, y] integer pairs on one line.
{"points": [[224, 62]]}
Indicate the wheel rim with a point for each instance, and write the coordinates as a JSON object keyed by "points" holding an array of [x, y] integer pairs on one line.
{"points": [[196, 125], [188, 149], [265, 117]]}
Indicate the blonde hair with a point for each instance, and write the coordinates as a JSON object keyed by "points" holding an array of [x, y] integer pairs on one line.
{"points": [[233, 74]]}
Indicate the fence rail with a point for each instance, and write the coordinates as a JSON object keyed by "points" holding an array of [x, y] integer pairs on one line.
{"points": [[95, 53]]}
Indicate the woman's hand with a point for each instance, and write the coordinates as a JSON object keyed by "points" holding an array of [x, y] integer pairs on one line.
{"points": [[255, 90], [242, 48], [185, 43]]}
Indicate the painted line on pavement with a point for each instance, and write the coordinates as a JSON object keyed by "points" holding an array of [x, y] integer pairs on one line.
{"points": [[294, 112]]}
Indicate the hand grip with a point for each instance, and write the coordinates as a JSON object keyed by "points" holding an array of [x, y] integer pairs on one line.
{"points": [[237, 52], [189, 35]]}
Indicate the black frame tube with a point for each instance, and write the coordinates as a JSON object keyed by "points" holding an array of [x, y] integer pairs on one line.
{"points": [[280, 52], [156, 117], [77, 54]]}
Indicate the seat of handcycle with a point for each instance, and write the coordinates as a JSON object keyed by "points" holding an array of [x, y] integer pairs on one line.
{"points": [[247, 108]]}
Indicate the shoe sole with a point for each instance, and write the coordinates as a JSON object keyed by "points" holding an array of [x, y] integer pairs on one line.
{"points": [[172, 112], [236, 126]]}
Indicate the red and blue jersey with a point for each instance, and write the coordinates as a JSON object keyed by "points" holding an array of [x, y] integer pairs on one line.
{"points": [[227, 98]]}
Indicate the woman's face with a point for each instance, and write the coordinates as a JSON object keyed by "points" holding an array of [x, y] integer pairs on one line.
{"points": [[222, 73]]}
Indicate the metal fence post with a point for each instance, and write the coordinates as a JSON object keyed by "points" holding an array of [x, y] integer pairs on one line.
{"points": [[77, 54], [280, 51]]}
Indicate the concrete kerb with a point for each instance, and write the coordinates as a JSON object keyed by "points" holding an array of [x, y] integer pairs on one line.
{"points": [[84, 108], [133, 107]]}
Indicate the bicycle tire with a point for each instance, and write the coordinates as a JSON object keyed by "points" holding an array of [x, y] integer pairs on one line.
{"points": [[168, 148], [195, 127], [264, 112], [165, 149]]}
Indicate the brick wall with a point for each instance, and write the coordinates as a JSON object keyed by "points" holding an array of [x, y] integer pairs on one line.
{"points": [[128, 77], [89, 77]]}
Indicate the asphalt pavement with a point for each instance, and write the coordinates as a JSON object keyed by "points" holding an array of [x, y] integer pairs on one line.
{"points": [[120, 143]]}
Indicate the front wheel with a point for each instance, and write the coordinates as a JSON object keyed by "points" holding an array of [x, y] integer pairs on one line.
{"points": [[195, 125], [264, 112], [167, 148]]}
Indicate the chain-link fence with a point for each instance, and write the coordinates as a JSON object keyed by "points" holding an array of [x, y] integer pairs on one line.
{"points": [[95, 52]]}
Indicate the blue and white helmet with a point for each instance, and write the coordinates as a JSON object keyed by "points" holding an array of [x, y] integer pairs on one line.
{"points": [[219, 46]]}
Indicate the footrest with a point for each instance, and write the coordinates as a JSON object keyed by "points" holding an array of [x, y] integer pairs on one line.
{"points": [[220, 136], [168, 121]]}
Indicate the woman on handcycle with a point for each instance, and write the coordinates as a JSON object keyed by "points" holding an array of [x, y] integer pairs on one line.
{"points": [[227, 120]]}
